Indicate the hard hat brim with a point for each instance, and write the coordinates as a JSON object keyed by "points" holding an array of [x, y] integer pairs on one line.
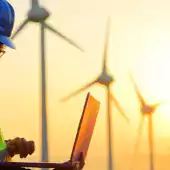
{"points": [[7, 41]]}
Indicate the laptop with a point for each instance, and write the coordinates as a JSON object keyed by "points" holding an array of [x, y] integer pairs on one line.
{"points": [[81, 143]]}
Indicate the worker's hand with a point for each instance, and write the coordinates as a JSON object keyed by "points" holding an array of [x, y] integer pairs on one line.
{"points": [[82, 160], [20, 146]]}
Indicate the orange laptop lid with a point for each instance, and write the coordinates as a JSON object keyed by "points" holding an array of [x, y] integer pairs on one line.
{"points": [[86, 127]]}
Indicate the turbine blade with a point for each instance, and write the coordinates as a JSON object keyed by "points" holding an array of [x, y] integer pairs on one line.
{"points": [[137, 143], [105, 53], [119, 107], [19, 28], [141, 99], [62, 36], [158, 104], [79, 91]]}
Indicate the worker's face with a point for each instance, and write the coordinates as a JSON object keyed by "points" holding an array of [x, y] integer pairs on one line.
{"points": [[2, 49]]}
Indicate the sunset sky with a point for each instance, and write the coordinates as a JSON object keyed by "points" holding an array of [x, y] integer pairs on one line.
{"points": [[139, 41]]}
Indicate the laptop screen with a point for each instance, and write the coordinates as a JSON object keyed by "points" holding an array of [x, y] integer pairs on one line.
{"points": [[85, 129]]}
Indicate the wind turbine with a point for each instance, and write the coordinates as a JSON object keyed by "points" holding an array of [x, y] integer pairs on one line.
{"points": [[146, 111], [104, 79], [39, 15]]}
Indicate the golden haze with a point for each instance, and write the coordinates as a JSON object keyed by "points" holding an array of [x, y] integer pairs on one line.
{"points": [[139, 41]]}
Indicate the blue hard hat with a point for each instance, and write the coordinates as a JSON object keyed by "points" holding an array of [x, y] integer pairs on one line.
{"points": [[7, 17]]}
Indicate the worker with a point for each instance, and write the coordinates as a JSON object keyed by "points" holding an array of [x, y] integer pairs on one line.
{"points": [[16, 146]]}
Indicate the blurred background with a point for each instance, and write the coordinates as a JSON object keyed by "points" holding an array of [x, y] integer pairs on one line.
{"points": [[139, 42]]}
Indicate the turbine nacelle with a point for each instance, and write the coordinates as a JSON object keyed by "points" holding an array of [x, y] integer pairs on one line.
{"points": [[147, 110], [105, 79], [37, 14]]}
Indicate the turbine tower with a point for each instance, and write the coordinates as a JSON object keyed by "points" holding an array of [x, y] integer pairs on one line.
{"points": [[105, 79], [146, 112], [39, 15]]}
